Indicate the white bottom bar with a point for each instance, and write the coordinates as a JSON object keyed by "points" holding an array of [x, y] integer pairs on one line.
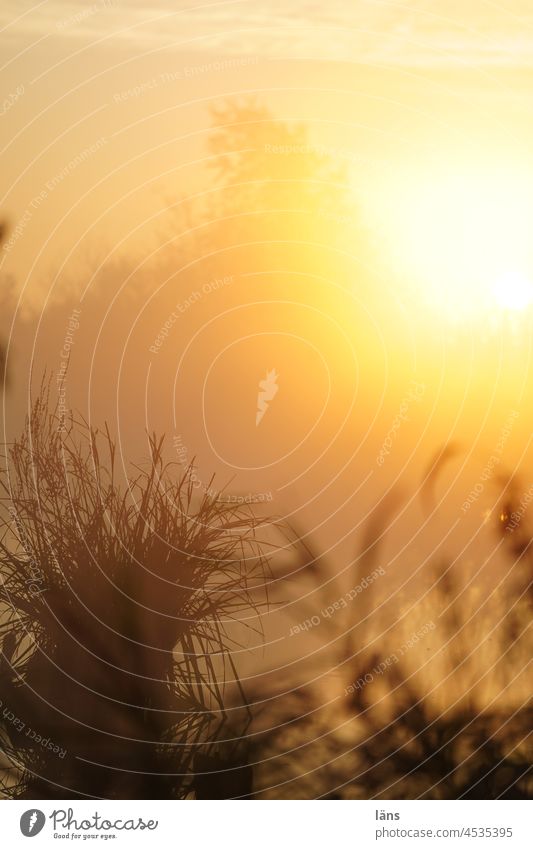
{"points": [[264, 825]]}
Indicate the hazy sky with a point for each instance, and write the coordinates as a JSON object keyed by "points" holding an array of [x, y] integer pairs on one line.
{"points": [[397, 76], [105, 118], [414, 32], [444, 83]]}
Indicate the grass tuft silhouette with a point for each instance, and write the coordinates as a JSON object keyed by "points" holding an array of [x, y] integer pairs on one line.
{"points": [[117, 600]]}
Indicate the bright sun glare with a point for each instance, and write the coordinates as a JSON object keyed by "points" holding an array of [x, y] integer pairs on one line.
{"points": [[464, 240], [513, 291]]}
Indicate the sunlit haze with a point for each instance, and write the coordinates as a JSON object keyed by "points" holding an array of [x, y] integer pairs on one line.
{"points": [[266, 341]]}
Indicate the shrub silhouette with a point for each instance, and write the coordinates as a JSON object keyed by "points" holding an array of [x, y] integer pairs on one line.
{"points": [[402, 736], [115, 599]]}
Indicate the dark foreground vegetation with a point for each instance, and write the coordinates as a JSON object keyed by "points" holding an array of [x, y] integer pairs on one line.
{"points": [[114, 604]]}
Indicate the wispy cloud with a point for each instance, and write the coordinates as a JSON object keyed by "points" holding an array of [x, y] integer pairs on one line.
{"points": [[442, 33]]}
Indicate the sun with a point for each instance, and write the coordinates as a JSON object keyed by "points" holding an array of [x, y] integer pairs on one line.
{"points": [[513, 291], [461, 236]]}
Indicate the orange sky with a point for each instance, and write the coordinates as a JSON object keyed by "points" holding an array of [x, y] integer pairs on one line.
{"points": [[383, 83], [104, 125]]}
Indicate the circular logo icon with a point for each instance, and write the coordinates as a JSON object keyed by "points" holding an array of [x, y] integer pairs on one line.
{"points": [[32, 822]]}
